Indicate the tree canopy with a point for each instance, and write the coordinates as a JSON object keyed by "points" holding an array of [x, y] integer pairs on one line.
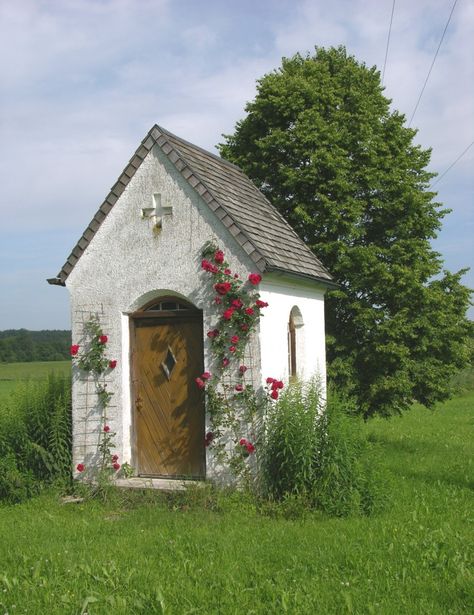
{"points": [[322, 143]]}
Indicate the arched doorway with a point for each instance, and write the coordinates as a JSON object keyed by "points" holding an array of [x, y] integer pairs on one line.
{"points": [[168, 408]]}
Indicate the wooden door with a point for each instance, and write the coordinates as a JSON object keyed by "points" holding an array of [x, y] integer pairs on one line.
{"points": [[169, 407]]}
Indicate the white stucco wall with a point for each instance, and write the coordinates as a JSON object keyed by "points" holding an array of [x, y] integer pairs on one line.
{"points": [[126, 265], [283, 293]]}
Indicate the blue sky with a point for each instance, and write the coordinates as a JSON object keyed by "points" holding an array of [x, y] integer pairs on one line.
{"points": [[82, 81]]}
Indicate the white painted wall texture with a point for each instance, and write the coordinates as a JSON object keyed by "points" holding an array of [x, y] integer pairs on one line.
{"points": [[126, 265], [282, 294]]}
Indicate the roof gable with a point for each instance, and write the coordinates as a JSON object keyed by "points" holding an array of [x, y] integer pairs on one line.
{"points": [[259, 229]]}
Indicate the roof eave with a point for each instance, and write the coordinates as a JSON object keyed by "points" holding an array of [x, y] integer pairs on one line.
{"points": [[328, 283]]}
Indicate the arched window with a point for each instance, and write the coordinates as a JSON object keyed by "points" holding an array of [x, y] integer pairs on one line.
{"points": [[295, 341]]}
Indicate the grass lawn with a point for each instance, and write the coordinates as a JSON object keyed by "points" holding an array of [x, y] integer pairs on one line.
{"points": [[12, 373], [147, 556]]}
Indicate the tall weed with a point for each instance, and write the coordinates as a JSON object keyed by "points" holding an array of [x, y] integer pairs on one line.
{"points": [[35, 438], [319, 453]]}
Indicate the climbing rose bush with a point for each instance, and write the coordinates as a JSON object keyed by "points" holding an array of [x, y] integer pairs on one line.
{"points": [[236, 409], [91, 358]]}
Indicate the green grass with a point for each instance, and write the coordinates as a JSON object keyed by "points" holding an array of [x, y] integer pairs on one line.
{"points": [[12, 373], [127, 557]]}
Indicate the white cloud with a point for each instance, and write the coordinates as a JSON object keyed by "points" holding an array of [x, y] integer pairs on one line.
{"points": [[83, 80]]}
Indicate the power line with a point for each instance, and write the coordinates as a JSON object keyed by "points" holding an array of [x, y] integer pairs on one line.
{"points": [[432, 64], [388, 41], [452, 165]]}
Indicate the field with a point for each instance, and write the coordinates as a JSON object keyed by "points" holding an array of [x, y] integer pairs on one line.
{"points": [[13, 373], [208, 555]]}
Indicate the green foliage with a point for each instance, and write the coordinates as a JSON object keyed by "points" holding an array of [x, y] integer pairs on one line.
{"points": [[213, 552], [20, 345], [318, 453], [322, 144], [35, 437]]}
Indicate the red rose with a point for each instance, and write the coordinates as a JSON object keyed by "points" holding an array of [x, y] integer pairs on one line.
{"points": [[270, 380], [115, 458], [106, 428], [239, 387], [234, 339], [243, 369], [80, 467], [116, 466], [274, 394], [255, 278], [74, 350], [250, 448], [225, 362], [200, 383], [207, 266], [244, 327], [227, 271], [249, 311], [217, 300], [113, 364], [227, 315], [206, 376], [222, 287], [237, 303], [242, 442], [236, 276], [261, 304], [213, 333], [219, 257], [232, 348], [103, 339]]}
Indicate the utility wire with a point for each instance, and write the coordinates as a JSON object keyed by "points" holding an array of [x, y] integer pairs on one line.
{"points": [[432, 64], [452, 165], [388, 41]]}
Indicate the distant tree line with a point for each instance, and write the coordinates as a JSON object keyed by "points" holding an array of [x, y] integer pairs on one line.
{"points": [[21, 345]]}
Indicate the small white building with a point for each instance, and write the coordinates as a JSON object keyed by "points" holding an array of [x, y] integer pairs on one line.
{"points": [[137, 268]]}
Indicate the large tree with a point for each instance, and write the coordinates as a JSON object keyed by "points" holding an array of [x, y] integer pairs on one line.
{"points": [[321, 142]]}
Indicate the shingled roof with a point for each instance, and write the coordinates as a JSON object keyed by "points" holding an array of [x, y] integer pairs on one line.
{"points": [[260, 230]]}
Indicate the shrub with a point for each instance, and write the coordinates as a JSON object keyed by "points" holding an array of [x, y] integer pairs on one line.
{"points": [[35, 438], [319, 453]]}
